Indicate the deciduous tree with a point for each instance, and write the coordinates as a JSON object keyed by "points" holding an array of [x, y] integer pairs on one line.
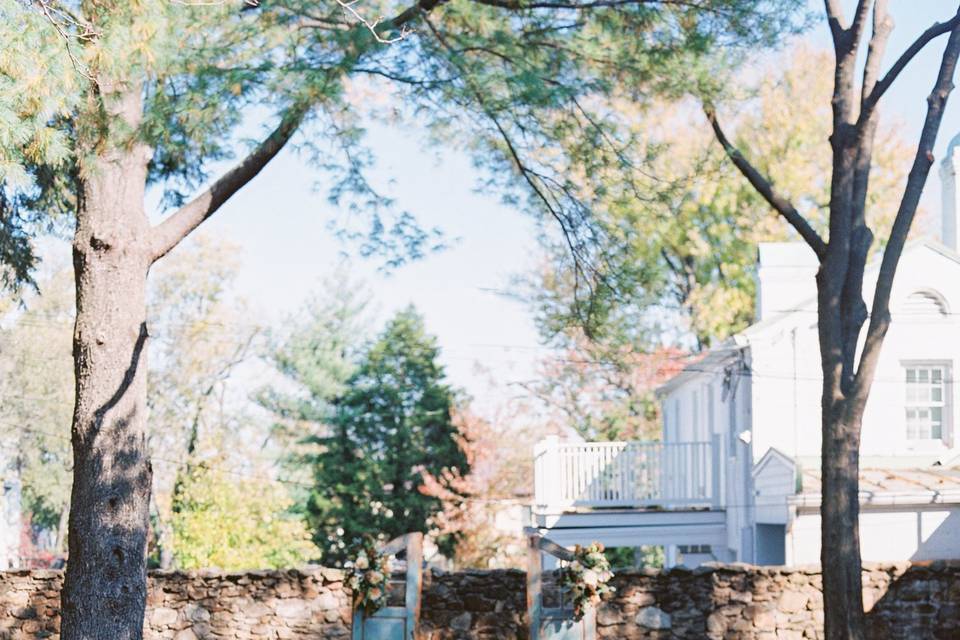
{"points": [[843, 249], [237, 521], [684, 269]]}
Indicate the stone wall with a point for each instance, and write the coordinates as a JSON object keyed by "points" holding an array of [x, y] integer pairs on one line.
{"points": [[715, 602], [720, 602], [188, 606]]}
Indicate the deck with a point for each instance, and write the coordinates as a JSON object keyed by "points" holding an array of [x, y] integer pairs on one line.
{"points": [[618, 475]]}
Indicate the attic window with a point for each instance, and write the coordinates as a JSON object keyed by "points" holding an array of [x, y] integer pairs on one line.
{"points": [[924, 303]]}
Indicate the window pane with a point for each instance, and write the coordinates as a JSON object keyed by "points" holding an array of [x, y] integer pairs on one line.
{"points": [[926, 401]]}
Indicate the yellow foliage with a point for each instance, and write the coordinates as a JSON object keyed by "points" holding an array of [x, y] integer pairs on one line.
{"points": [[233, 522]]}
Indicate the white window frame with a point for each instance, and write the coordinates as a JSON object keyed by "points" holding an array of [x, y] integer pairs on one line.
{"points": [[918, 400]]}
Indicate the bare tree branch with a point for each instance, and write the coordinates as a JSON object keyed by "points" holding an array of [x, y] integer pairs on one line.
{"points": [[880, 313], [853, 309], [835, 20], [371, 26], [859, 20], [169, 233], [780, 204], [937, 29]]}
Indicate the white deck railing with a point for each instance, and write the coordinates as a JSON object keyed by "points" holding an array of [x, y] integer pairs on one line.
{"points": [[626, 474]]}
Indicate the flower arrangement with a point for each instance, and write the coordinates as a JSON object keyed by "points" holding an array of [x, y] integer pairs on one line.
{"points": [[587, 576], [369, 572]]}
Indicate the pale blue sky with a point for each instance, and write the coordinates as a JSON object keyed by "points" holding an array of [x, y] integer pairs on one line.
{"points": [[280, 221]]}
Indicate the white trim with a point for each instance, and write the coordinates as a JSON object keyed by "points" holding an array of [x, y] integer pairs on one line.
{"points": [[885, 498]]}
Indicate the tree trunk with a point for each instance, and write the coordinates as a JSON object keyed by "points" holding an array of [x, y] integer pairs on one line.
{"points": [[104, 593], [840, 532]]}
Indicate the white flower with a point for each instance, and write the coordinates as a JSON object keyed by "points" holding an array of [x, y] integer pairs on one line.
{"points": [[362, 561], [374, 577], [575, 566], [590, 578]]}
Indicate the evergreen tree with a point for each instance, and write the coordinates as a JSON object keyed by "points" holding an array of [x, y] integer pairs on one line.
{"points": [[391, 428]]}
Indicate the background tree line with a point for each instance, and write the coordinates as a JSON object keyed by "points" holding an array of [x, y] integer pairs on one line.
{"points": [[357, 436]]}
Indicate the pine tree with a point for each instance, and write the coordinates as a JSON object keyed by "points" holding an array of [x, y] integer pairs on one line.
{"points": [[393, 425]]}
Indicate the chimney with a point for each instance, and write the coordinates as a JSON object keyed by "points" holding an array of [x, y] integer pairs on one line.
{"points": [[948, 185], [786, 277]]}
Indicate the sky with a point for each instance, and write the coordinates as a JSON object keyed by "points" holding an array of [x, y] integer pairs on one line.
{"points": [[279, 220], [489, 341]]}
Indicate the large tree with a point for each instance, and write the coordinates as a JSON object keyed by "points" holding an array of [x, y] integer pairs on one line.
{"points": [[100, 99], [843, 249], [198, 341]]}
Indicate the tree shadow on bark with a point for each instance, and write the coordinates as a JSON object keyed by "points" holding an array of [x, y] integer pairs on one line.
{"points": [[105, 588]]}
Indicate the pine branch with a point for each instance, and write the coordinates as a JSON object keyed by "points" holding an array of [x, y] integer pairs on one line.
{"points": [[179, 225]]}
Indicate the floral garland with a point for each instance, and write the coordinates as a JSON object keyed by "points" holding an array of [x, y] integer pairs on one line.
{"points": [[587, 576], [368, 578]]}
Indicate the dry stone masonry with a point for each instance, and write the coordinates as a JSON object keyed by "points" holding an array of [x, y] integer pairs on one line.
{"points": [[717, 602], [199, 605]]}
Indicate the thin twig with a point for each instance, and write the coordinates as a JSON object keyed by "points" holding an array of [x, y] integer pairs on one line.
{"points": [[347, 5], [77, 65]]}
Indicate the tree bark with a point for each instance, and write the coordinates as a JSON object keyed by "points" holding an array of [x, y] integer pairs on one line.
{"points": [[840, 531], [104, 592]]}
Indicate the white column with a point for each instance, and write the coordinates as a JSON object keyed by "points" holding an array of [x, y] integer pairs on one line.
{"points": [[671, 556]]}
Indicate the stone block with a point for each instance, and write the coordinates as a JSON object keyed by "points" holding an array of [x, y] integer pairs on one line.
{"points": [[653, 618]]}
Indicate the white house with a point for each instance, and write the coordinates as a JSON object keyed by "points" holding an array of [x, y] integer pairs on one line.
{"points": [[736, 476]]}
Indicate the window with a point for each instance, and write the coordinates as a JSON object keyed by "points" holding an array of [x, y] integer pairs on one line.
{"points": [[690, 549], [927, 401]]}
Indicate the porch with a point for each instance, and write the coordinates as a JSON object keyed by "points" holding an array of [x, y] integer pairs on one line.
{"points": [[632, 494], [627, 475]]}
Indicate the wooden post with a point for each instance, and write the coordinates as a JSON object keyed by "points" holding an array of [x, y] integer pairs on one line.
{"points": [[534, 585], [718, 460], [414, 582]]}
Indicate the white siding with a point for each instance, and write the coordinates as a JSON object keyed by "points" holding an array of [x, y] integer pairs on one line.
{"points": [[772, 483], [786, 373], [885, 536]]}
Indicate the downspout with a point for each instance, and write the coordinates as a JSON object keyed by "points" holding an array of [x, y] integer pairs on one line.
{"points": [[796, 396]]}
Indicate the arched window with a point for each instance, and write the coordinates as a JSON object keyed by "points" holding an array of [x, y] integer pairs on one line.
{"points": [[925, 302]]}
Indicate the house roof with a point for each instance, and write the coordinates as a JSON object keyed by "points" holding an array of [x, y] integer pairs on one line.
{"points": [[770, 457], [741, 340], [929, 485], [872, 267], [710, 361]]}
